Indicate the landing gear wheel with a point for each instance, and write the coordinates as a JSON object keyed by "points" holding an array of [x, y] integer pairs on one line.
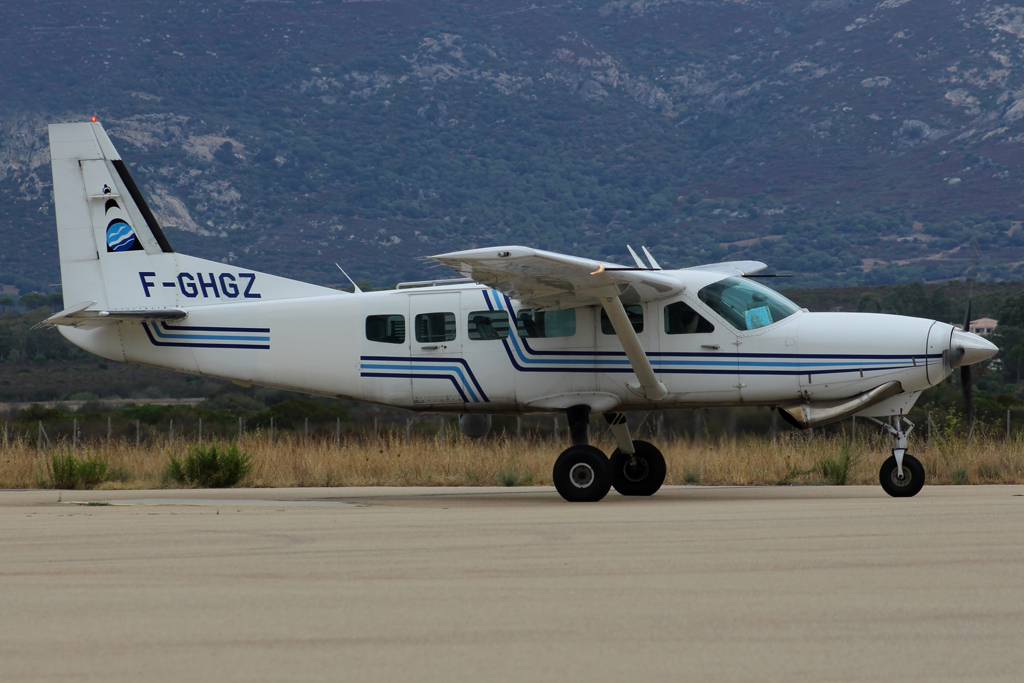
{"points": [[581, 474], [641, 475], [910, 484]]}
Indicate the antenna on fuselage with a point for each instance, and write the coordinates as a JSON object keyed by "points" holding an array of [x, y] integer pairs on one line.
{"points": [[639, 264], [355, 287], [654, 264]]}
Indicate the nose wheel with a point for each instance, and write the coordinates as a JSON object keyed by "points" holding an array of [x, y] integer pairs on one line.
{"points": [[902, 475], [902, 484]]}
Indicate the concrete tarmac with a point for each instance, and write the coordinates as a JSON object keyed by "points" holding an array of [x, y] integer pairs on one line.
{"points": [[469, 584]]}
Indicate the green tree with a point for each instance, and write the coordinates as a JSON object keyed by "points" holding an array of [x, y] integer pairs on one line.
{"points": [[33, 300], [7, 341], [1011, 312], [1010, 340], [869, 302], [940, 306], [5, 302]]}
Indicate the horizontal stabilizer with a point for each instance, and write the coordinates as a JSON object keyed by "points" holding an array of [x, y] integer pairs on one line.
{"points": [[84, 317]]}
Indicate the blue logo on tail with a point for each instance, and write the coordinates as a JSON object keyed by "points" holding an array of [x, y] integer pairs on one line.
{"points": [[120, 236]]}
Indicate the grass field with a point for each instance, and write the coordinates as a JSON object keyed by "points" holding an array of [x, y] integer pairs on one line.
{"points": [[390, 460]]}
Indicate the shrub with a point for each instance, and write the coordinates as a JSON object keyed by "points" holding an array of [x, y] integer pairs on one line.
{"points": [[206, 466], [836, 470], [69, 472], [512, 476]]}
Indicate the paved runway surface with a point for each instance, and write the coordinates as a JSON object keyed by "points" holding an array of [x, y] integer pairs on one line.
{"points": [[697, 583]]}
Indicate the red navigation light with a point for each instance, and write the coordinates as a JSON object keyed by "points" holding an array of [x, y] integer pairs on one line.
{"points": [[94, 119]]}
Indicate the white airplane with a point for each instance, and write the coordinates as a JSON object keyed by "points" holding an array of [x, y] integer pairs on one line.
{"points": [[524, 331]]}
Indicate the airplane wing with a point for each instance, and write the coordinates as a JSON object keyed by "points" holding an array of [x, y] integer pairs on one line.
{"points": [[82, 316], [544, 279], [734, 267]]}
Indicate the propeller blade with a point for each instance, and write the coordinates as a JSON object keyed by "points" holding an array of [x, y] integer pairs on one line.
{"points": [[965, 383], [967, 315]]}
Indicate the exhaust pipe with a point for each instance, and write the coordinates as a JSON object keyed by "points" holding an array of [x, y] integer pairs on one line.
{"points": [[806, 415]]}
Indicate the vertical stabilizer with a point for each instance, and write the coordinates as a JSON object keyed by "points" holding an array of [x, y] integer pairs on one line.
{"points": [[99, 210], [113, 254]]}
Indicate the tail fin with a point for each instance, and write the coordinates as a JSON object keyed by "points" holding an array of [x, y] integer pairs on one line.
{"points": [[99, 210], [113, 254]]}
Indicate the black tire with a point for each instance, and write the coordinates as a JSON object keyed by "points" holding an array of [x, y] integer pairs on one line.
{"points": [[644, 476], [581, 474], [913, 477]]}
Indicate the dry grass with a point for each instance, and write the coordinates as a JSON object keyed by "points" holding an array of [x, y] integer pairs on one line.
{"points": [[456, 461]]}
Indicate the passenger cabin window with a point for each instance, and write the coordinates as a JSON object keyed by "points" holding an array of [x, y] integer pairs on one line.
{"points": [[435, 327], [533, 323], [746, 305], [389, 329], [681, 319], [487, 325], [634, 312]]}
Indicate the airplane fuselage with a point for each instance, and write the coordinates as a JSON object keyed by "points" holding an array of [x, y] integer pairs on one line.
{"points": [[324, 345]]}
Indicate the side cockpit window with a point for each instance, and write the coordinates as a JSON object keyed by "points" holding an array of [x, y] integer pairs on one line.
{"points": [[681, 319], [746, 305], [389, 329]]}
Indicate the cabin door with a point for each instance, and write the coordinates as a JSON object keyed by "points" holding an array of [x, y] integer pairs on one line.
{"points": [[440, 377]]}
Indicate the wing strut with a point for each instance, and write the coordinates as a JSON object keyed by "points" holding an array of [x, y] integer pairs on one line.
{"points": [[650, 386]]}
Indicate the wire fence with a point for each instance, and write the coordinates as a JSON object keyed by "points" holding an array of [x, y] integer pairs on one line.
{"points": [[95, 431]]}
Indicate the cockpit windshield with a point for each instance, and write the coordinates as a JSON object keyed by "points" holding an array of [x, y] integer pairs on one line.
{"points": [[746, 305]]}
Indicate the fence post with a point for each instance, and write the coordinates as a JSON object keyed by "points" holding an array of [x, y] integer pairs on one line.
{"points": [[928, 433], [374, 428], [775, 426], [239, 431], [305, 434], [6, 441], [554, 429], [138, 434], [408, 429], [853, 429], [110, 429], [172, 432], [74, 434], [1007, 424], [271, 430], [200, 430], [519, 427], [337, 434], [440, 431]]}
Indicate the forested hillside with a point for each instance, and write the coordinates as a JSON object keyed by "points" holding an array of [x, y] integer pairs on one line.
{"points": [[851, 143]]}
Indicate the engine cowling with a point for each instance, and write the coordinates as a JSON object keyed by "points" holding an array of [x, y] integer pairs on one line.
{"points": [[475, 426]]}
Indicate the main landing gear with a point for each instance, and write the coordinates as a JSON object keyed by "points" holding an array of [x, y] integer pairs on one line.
{"points": [[902, 475], [582, 473]]}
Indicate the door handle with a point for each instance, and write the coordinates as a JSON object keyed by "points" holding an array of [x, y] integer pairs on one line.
{"points": [[430, 346], [713, 347]]}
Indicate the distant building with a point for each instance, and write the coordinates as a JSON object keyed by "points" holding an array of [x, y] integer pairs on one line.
{"points": [[983, 326]]}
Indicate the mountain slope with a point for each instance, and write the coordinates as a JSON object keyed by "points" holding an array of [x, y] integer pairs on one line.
{"points": [[849, 142]]}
